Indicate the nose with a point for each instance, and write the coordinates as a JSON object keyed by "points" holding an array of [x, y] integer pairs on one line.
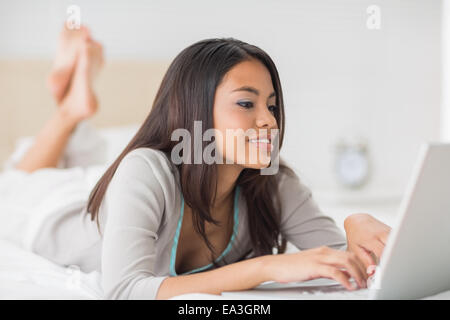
{"points": [[265, 118]]}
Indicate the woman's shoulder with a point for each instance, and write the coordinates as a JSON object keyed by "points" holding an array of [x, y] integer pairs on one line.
{"points": [[150, 166], [155, 159], [290, 183], [295, 196], [153, 156]]}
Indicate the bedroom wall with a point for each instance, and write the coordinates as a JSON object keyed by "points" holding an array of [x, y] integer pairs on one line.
{"points": [[339, 77], [445, 38]]}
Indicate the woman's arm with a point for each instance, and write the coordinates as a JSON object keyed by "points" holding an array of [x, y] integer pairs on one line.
{"points": [[322, 262], [132, 209], [302, 221], [304, 224], [238, 276]]}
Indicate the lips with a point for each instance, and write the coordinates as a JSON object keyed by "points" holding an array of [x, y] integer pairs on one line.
{"points": [[266, 138], [261, 142]]}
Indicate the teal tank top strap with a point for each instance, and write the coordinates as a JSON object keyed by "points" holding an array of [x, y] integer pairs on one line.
{"points": [[224, 253]]}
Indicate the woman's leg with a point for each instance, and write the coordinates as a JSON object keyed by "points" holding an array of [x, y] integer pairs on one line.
{"points": [[79, 104], [50, 143], [69, 42]]}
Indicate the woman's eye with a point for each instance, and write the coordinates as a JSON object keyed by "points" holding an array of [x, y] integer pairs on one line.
{"points": [[245, 104], [273, 108]]}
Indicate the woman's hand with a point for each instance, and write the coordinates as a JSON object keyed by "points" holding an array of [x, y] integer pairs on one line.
{"points": [[322, 262], [366, 237]]}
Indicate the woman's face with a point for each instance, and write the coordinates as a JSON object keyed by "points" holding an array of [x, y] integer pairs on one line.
{"points": [[243, 114]]}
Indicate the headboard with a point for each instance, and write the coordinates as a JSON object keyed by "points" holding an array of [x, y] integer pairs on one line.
{"points": [[126, 90]]}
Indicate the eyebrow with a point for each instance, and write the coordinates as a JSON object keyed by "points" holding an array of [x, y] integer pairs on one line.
{"points": [[252, 90]]}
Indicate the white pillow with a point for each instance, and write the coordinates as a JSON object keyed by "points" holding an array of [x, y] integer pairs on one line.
{"points": [[117, 138], [87, 146]]}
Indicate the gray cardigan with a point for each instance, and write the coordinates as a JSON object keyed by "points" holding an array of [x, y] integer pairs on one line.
{"points": [[140, 220]]}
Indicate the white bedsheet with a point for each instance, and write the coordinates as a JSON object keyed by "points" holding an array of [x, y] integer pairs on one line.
{"points": [[24, 275], [26, 200]]}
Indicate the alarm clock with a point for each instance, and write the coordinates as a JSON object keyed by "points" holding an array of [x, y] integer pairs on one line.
{"points": [[352, 166]]}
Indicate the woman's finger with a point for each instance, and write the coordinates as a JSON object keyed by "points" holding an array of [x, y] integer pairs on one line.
{"points": [[338, 275], [377, 248], [364, 256], [354, 260], [371, 269], [361, 267], [383, 236], [349, 262], [357, 270]]}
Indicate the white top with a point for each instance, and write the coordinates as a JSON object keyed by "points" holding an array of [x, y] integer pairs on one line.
{"points": [[140, 219]]}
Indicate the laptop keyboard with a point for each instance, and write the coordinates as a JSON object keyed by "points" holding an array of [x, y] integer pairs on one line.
{"points": [[289, 294], [312, 292], [338, 294]]}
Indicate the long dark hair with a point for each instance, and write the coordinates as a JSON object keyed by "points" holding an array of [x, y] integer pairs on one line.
{"points": [[186, 94]]}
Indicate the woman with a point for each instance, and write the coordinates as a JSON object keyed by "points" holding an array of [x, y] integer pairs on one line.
{"points": [[166, 229]]}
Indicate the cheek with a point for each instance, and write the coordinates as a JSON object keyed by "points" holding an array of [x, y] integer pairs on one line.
{"points": [[231, 119]]}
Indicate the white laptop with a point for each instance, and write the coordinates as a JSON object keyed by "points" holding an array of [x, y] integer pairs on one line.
{"points": [[416, 260]]}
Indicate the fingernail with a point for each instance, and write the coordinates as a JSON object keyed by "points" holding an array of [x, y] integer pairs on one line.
{"points": [[371, 269]]}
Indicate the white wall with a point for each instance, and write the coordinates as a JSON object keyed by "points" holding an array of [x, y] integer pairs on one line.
{"points": [[445, 119], [338, 76]]}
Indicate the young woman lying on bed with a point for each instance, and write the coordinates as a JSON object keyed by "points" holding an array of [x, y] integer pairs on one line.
{"points": [[162, 228]]}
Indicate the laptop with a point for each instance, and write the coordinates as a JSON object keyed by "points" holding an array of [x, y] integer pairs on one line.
{"points": [[416, 259]]}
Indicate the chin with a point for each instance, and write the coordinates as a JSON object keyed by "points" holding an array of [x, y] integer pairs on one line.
{"points": [[258, 165]]}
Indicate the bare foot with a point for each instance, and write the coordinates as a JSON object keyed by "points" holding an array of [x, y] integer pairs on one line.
{"points": [[80, 101], [63, 67]]}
